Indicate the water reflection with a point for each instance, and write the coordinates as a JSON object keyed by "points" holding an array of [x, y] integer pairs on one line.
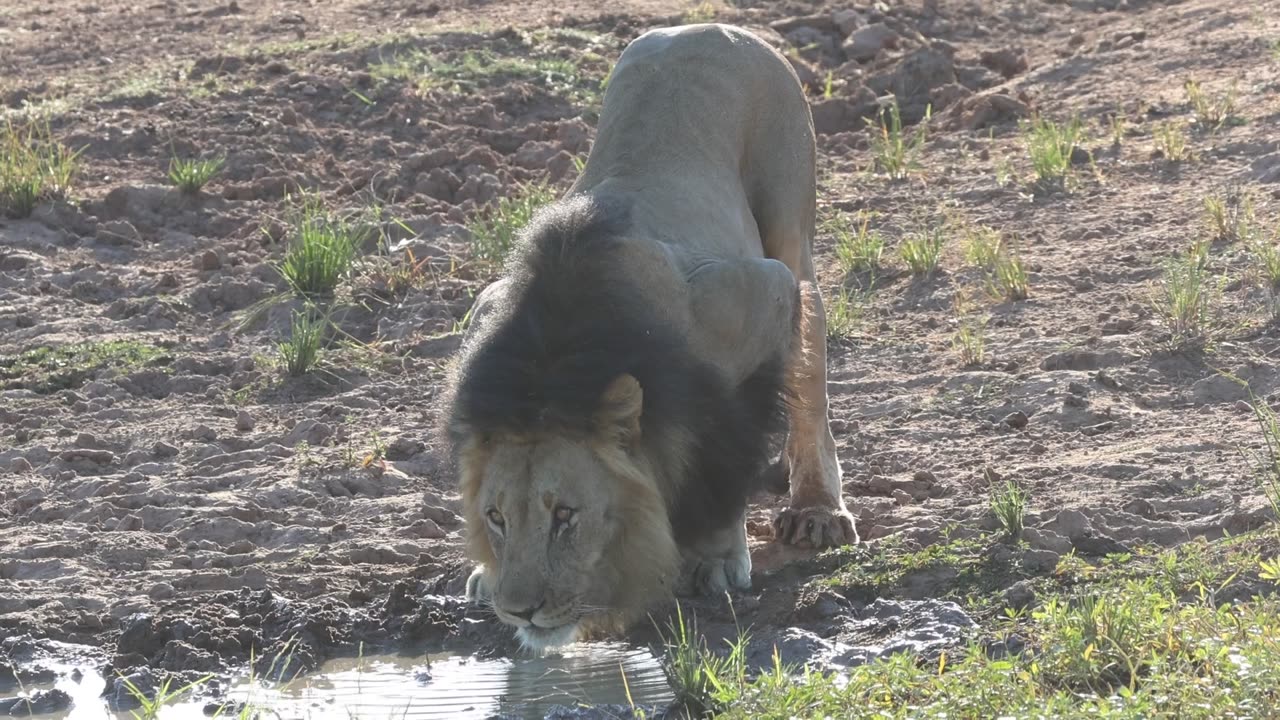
{"points": [[425, 687]]}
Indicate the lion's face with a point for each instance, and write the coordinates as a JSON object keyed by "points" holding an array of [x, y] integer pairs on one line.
{"points": [[550, 511], [572, 532]]}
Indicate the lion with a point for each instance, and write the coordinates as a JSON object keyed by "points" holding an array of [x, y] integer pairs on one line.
{"points": [[656, 335]]}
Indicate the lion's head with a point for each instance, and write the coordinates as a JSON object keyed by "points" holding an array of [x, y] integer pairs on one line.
{"points": [[571, 530]]}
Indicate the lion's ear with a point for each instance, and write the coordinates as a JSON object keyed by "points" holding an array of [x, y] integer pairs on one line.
{"points": [[620, 407]]}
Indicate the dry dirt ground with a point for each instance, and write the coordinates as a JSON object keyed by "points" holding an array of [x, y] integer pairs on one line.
{"points": [[170, 496]]}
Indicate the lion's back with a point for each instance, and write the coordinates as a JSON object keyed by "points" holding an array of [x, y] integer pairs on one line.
{"points": [[712, 60]]}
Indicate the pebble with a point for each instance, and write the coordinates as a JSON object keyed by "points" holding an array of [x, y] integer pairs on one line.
{"points": [[426, 529], [208, 260], [203, 433], [1016, 420], [161, 591]]}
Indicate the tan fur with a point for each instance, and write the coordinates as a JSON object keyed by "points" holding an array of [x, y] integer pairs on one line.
{"points": [[706, 131]]}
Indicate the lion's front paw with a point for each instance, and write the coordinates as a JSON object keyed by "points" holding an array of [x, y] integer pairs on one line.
{"points": [[815, 527], [478, 586], [716, 576]]}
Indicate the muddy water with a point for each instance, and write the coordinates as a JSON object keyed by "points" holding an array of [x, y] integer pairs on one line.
{"points": [[425, 687]]}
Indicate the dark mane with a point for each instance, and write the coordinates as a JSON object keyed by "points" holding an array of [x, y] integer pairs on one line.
{"points": [[572, 324]]}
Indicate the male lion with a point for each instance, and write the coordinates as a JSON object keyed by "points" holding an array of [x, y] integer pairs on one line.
{"points": [[617, 392]]}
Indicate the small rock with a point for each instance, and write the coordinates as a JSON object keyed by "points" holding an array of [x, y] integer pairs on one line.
{"points": [[440, 515], [1218, 389], [208, 260], [310, 430], [1041, 539], [129, 523], [1072, 524], [203, 433], [1141, 507], [161, 591], [88, 440], [1007, 61], [847, 21], [1040, 560], [403, 448], [818, 23], [865, 43], [118, 232], [101, 457], [426, 529], [244, 421], [1019, 595], [986, 109], [559, 165], [1016, 420], [1098, 429], [843, 114]]}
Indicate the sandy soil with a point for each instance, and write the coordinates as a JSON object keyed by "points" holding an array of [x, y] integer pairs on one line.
{"points": [[168, 496]]}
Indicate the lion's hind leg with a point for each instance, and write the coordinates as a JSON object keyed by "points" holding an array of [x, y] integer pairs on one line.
{"points": [[817, 516]]}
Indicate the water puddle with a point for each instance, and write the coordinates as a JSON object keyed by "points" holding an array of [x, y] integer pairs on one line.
{"points": [[422, 687]]}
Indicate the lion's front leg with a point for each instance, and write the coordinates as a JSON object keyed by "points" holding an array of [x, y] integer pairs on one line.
{"points": [[718, 564]]}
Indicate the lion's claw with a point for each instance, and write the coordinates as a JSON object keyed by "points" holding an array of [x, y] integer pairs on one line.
{"points": [[818, 528]]}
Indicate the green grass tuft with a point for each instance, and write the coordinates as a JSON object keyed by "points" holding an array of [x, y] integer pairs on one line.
{"points": [[322, 251], [845, 311], [301, 352], [1186, 299], [969, 342], [1267, 463], [1008, 278], [190, 175], [922, 250], [858, 249], [1171, 141], [703, 12], [33, 168], [896, 151], [1229, 216], [983, 246], [1266, 261], [1008, 503], [494, 231], [1212, 111], [1051, 146], [704, 682]]}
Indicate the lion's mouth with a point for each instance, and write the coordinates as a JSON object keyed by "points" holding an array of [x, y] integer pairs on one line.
{"points": [[539, 638]]}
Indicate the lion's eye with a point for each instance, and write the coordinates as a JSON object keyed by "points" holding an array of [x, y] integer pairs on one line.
{"points": [[564, 514], [495, 517]]}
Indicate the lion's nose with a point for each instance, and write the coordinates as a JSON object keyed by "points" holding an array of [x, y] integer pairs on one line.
{"points": [[527, 614]]}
